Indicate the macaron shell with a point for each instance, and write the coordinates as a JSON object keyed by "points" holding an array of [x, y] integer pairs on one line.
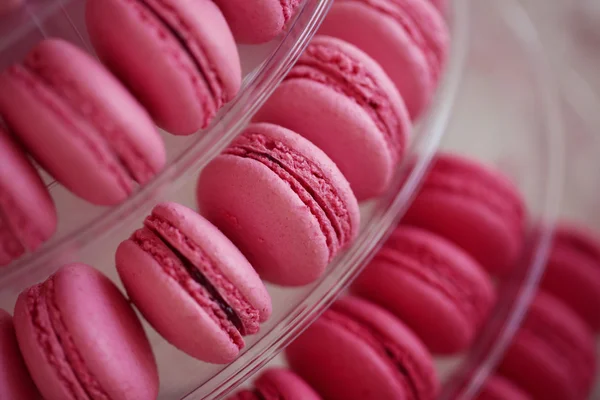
{"points": [[170, 309], [26, 208], [364, 24], [499, 388], [190, 105], [257, 21], [228, 259], [431, 285], [15, 382], [553, 355], [285, 384]]}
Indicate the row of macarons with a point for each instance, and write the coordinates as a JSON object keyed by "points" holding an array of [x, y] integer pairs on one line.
{"points": [[98, 141]]}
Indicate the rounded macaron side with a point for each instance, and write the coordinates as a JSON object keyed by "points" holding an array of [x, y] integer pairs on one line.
{"points": [[553, 354], [276, 384], [358, 351], [192, 284], [257, 21], [281, 201], [15, 382], [500, 388], [80, 123], [27, 212], [431, 285], [341, 100], [474, 206], [80, 338], [195, 66], [408, 38]]}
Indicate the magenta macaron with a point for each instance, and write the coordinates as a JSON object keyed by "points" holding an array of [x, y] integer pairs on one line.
{"points": [[553, 355], [358, 351], [15, 382], [573, 271], [409, 38], [81, 339], [500, 388], [257, 21], [27, 213], [80, 123], [192, 284], [282, 201], [474, 206], [340, 99], [177, 56], [277, 384], [432, 285]]}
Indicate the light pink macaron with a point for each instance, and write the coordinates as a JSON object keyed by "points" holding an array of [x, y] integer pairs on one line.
{"points": [[15, 382], [27, 213], [192, 284], [282, 201], [408, 38], [177, 56], [257, 21], [80, 123], [476, 207], [81, 339], [340, 99]]}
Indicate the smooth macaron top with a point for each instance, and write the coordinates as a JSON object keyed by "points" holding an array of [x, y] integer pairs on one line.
{"points": [[409, 38], [282, 201], [15, 382], [500, 388], [81, 339], [195, 66], [357, 350], [198, 290], [257, 21], [27, 213], [340, 99], [278, 384], [475, 207], [432, 285]]}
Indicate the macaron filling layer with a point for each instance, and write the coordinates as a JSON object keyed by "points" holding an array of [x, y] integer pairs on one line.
{"points": [[306, 179], [14, 221], [338, 71], [408, 17], [137, 166], [62, 110], [400, 360], [58, 345], [184, 34]]}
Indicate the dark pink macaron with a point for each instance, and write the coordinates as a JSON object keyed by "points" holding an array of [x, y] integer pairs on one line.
{"points": [[277, 384], [474, 206], [282, 201], [177, 56], [553, 355], [500, 388], [15, 382], [81, 339], [192, 284], [340, 99], [358, 351], [432, 285], [573, 271]]}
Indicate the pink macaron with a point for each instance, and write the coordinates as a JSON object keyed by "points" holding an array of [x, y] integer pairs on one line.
{"points": [[192, 284], [282, 201], [177, 56], [409, 38], [7, 6], [15, 382], [81, 339], [358, 351], [474, 206], [340, 99], [257, 21], [27, 213], [432, 285], [553, 355], [80, 123], [277, 384], [499, 388], [573, 271]]}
